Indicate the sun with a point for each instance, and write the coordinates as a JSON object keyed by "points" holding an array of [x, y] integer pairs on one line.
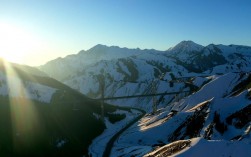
{"points": [[15, 43]]}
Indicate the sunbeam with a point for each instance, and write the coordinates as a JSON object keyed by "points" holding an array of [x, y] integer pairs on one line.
{"points": [[25, 121]]}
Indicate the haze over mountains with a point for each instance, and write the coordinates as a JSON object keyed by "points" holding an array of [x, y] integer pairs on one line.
{"points": [[203, 103]]}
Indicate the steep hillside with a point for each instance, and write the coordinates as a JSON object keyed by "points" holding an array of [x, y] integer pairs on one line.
{"points": [[40, 116], [213, 114]]}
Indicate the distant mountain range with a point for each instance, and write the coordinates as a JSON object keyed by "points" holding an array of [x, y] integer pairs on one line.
{"points": [[130, 71]]}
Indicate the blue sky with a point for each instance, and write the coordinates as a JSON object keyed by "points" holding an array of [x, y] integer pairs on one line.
{"points": [[67, 26]]}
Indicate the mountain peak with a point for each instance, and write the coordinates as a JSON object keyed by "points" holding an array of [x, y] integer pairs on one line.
{"points": [[186, 46], [187, 42], [98, 47]]}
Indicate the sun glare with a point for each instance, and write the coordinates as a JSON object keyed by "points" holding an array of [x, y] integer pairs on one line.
{"points": [[16, 43], [24, 116]]}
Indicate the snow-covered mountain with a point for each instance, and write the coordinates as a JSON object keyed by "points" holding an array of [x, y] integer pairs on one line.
{"points": [[132, 71], [211, 110]]}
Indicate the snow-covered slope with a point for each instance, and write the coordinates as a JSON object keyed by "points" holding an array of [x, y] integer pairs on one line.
{"points": [[219, 114], [13, 86], [202, 147], [16, 82]]}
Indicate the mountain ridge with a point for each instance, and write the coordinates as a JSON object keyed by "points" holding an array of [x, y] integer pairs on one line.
{"points": [[138, 68], [186, 43]]}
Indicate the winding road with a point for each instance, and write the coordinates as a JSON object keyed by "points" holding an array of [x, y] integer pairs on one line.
{"points": [[110, 144]]}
